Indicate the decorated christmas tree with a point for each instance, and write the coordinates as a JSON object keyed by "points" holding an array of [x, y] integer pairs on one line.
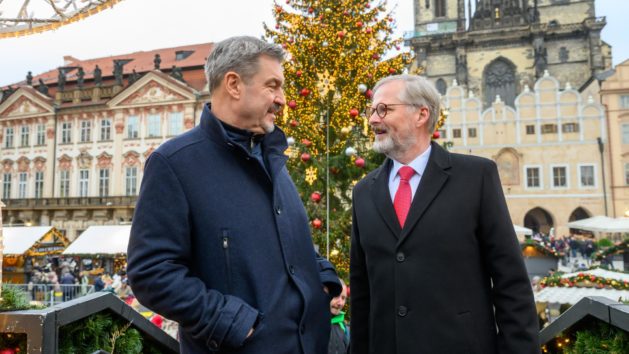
{"points": [[336, 51]]}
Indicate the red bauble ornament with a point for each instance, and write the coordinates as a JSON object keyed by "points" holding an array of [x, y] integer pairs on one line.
{"points": [[360, 162], [306, 142], [298, 73], [346, 13], [353, 112], [305, 157], [436, 135], [310, 10], [376, 56], [367, 5], [315, 197], [370, 75], [284, 45], [294, 123], [392, 71], [7, 351], [292, 104], [277, 26], [368, 30], [340, 34], [316, 223], [369, 94], [397, 47], [359, 24], [304, 92], [334, 170]]}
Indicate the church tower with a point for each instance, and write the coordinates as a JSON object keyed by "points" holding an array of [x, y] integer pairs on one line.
{"points": [[499, 47]]}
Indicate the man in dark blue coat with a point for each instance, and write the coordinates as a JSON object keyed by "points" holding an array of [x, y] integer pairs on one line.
{"points": [[220, 241]]}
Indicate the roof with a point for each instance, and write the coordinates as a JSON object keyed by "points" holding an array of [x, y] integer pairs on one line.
{"points": [[522, 230], [140, 61], [601, 224], [607, 274], [574, 294], [111, 239], [18, 240]]}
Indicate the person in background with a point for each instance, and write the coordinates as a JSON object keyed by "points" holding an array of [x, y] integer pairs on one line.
{"points": [[339, 332]]}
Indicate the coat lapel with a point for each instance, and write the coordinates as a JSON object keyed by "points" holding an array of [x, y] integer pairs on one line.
{"points": [[382, 197], [435, 176]]}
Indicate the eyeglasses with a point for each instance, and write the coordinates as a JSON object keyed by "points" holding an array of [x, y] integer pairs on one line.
{"points": [[382, 109]]}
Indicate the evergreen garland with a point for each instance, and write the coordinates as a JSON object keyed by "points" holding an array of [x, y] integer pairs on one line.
{"points": [[602, 339], [14, 299]]}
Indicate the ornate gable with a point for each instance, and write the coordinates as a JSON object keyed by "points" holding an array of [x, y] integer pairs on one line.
{"points": [[23, 106]]}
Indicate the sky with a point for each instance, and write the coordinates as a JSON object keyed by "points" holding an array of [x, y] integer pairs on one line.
{"points": [[135, 25]]}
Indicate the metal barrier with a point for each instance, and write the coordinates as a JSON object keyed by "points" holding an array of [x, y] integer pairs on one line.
{"points": [[53, 294]]}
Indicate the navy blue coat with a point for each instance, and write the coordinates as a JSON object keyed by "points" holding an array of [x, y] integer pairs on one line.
{"points": [[220, 245]]}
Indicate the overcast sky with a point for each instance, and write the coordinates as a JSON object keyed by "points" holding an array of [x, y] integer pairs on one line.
{"points": [[135, 25]]}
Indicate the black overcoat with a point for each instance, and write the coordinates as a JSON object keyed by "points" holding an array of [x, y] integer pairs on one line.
{"points": [[427, 288]]}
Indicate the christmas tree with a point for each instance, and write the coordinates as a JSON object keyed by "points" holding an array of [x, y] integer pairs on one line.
{"points": [[336, 50]]}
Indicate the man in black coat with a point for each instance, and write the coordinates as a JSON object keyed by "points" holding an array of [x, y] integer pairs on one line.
{"points": [[220, 240], [435, 263]]}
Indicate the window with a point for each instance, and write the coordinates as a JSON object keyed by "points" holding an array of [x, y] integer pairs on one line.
{"points": [[66, 133], [6, 186], [86, 131], [105, 129], [133, 127], [103, 183], [456, 133], [84, 183], [154, 126], [24, 136], [586, 175], [625, 133], [41, 134], [131, 181], [570, 128], [626, 174], [175, 123], [8, 137], [530, 129], [21, 185], [532, 177], [443, 133], [440, 8], [64, 184], [624, 101], [39, 184], [471, 132], [549, 128], [559, 176]]}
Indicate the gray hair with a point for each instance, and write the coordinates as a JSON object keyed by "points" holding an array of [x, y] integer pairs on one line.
{"points": [[240, 55], [418, 91]]}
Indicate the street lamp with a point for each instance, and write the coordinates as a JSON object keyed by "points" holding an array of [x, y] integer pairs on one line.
{"points": [[601, 148]]}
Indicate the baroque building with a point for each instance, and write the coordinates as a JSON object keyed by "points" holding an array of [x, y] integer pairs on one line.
{"points": [[74, 140]]}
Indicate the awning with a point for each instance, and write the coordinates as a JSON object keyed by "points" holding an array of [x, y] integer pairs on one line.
{"points": [[601, 224], [519, 230], [110, 239], [19, 240], [572, 295]]}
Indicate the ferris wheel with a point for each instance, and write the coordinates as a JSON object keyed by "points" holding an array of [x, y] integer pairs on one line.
{"points": [[24, 17]]}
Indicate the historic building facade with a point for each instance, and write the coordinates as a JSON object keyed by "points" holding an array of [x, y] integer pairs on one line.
{"points": [[547, 150], [74, 140], [501, 46], [615, 96]]}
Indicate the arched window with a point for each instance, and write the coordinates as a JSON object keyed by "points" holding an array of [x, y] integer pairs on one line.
{"points": [[441, 86], [499, 78], [538, 220], [440, 8]]}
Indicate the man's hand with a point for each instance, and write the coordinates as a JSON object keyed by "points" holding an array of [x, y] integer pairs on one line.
{"points": [[326, 290]]}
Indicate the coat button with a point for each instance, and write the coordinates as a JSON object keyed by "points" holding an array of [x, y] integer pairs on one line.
{"points": [[400, 257], [291, 269], [278, 210], [402, 311], [213, 345]]}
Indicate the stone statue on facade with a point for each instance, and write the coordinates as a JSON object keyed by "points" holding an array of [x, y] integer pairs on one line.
{"points": [[29, 79], [80, 75], [134, 77], [176, 73], [42, 88], [61, 79], [461, 69], [98, 76], [157, 61], [118, 71], [541, 60]]}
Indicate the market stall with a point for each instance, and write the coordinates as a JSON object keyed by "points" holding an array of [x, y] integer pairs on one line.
{"points": [[29, 247], [101, 249]]}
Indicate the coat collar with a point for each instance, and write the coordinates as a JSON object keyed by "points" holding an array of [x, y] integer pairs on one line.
{"points": [[273, 145], [435, 176]]}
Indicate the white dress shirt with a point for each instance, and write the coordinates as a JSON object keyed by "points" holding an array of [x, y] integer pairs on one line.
{"points": [[418, 164]]}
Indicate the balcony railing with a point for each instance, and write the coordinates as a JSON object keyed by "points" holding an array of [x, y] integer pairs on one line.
{"points": [[78, 202]]}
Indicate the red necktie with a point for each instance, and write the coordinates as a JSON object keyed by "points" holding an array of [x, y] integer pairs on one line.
{"points": [[403, 196]]}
